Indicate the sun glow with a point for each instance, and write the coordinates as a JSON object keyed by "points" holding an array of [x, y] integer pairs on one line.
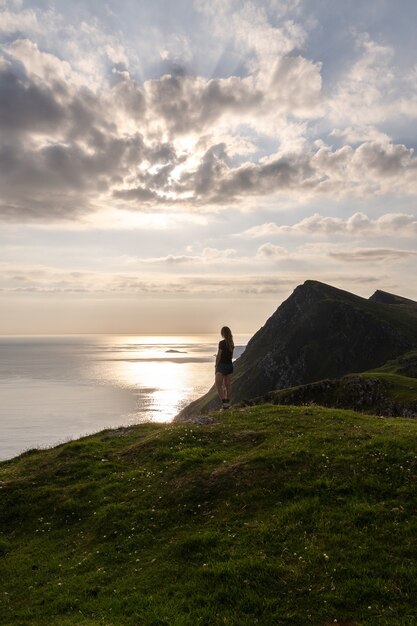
{"points": [[166, 384], [160, 370], [122, 219]]}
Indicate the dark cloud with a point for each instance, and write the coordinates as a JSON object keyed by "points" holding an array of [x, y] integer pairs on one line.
{"points": [[188, 103], [59, 180], [212, 168], [27, 105], [385, 159], [220, 183], [165, 158], [154, 183], [60, 145], [216, 181], [162, 153], [137, 193], [87, 119]]}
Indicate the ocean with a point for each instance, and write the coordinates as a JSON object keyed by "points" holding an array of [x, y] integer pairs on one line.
{"points": [[57, 388]]}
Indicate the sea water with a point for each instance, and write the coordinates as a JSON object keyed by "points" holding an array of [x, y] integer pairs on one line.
{"points": [[53, 389]]}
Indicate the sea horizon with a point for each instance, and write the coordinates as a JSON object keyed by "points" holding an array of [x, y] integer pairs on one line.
{"points": [[58, 387]]}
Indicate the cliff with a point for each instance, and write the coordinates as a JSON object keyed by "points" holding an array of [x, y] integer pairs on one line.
{"points": [[319, 332]]}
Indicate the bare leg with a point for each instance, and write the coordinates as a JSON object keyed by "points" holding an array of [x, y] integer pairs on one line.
{"points": [[219, 381], [228, 386]]}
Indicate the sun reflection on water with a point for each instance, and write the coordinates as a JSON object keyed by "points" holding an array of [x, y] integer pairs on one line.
{"points": [[161, 385], [164, 372]]}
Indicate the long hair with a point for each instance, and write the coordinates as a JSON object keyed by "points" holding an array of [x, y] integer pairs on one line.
{"points": [[227, 334]]}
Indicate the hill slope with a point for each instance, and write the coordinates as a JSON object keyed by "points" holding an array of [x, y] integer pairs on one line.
{"points": [[383, 297], [271, 515], [319, 332], [390, 390]]}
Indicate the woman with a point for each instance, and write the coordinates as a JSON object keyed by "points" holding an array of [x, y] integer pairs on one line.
{"points": [[224, 366]]}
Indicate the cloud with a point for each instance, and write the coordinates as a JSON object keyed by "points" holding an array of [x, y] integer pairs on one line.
{"points": [[248, 27], [224, 184], [23, 278], [18, 21], [137, 193], [83, 133], [374, 93], [368, 255], [63, 137], [27, 104], [42, 66], [369, 166], [360, 96], [209, 256], [359, 224], [61, 180], [47, 280], [271, 252], [382, 159], [262, 230], [296, 86], [360, 134], [60, 147], [188, 103]]}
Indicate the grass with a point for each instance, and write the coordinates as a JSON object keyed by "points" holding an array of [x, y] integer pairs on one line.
{"points": [[271, 515], [402, 389], [404, 365], [393, 392], [400, 378]]}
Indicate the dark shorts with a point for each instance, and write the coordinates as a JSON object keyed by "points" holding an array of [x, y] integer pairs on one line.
{"points": [[225, 368]]}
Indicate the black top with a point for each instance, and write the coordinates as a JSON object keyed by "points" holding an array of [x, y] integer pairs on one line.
{"points": [[226, 354]]}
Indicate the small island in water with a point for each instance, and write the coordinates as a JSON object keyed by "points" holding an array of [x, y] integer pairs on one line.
{"points": [[176, 351]]}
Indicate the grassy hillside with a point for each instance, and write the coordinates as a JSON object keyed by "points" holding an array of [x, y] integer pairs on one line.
{"points": [[404, 365], [390, 390], [269, 515]]}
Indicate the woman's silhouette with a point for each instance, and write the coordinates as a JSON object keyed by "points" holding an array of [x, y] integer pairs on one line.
{"points": [[224, 367]]}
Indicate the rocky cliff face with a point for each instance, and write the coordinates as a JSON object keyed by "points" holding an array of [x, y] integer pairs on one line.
{"points": [[318, 332]]}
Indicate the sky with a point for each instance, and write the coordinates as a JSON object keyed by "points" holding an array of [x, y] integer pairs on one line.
{"points": [[176, 166]]}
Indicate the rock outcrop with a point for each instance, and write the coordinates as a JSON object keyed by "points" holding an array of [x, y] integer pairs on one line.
{"points": [[360, 393], [319, 332]]}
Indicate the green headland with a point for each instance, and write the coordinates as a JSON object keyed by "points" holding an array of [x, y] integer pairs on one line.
{"points": [[263, 515]]}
